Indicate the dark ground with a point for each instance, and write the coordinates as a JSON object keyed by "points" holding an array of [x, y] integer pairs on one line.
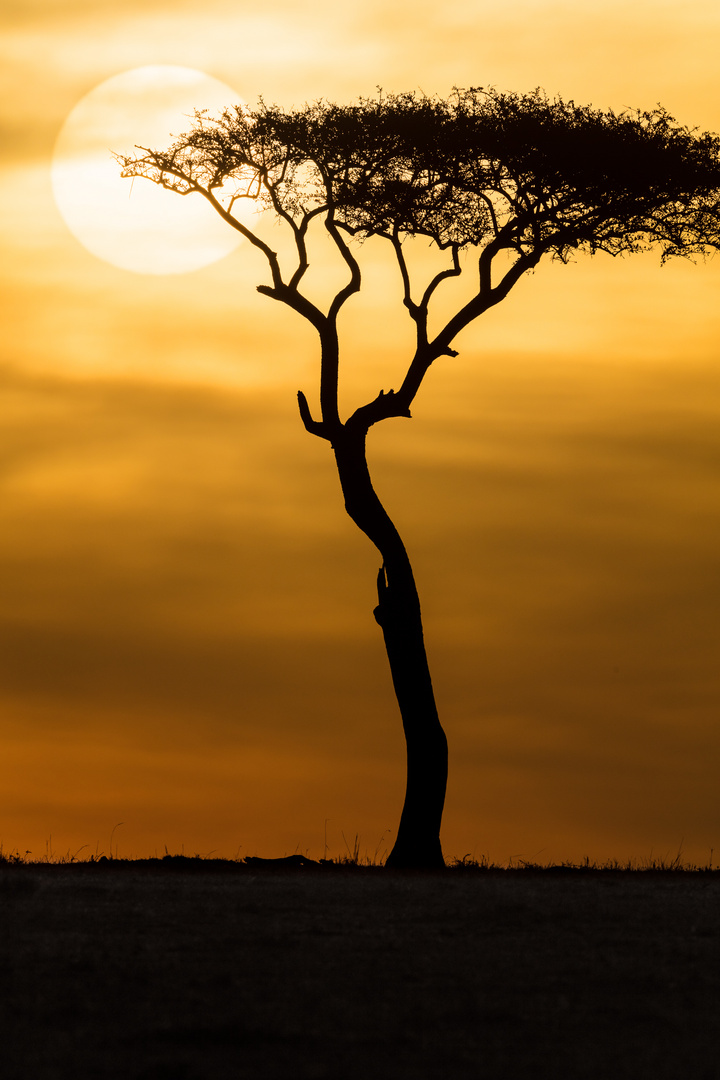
{"points": [[183, 969]]}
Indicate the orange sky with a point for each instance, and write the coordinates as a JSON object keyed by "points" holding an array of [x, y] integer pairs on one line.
{"points": [[186, 614]]}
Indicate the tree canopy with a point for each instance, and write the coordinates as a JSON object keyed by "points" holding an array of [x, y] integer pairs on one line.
{"points": [[521, 170], [521, 176]]}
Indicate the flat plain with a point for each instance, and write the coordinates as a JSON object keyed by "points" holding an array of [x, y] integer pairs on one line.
{"points": [[189, 969]]}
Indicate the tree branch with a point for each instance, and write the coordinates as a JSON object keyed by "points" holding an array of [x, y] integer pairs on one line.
{"points": [[299, 234], [454, 271], [295, 300], [418, 314], [396, 242], [354, 283], [386, 405], [315, 427], [255, 240]]}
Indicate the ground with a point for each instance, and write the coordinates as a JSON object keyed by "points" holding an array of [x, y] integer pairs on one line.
{"points": [[186, 970]]}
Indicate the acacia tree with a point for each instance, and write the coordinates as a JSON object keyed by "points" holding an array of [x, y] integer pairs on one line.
{"points": [[514, 178]]}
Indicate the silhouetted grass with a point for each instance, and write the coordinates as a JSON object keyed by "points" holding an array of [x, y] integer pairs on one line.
{"points": [[354, 860], [657, 864]]}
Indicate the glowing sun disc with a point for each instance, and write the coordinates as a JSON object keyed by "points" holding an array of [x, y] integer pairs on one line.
{"points": [[134, 224]]}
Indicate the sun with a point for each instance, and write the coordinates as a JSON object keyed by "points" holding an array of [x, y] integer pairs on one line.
{"points": [[133, 224]]}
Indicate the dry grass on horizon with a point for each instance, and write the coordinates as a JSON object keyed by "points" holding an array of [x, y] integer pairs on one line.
{"points": [[354, 860]]}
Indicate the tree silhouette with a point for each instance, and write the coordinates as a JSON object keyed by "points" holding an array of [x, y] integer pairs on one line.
{"points": [[512, 177]]}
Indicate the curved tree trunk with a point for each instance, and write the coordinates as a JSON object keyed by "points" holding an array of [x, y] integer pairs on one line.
{"points": [[398, 613]]}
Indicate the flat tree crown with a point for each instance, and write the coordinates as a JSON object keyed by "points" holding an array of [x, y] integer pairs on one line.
{"points": [[523, 172]]}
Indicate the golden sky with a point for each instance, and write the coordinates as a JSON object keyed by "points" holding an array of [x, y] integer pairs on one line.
{"points": [[186, 614]]}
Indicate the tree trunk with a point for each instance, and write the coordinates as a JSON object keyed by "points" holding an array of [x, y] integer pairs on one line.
{"points": [[398, 612]]}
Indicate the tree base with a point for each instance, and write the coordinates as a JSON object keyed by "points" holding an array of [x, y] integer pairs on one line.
{"points": [[416, 857]]}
